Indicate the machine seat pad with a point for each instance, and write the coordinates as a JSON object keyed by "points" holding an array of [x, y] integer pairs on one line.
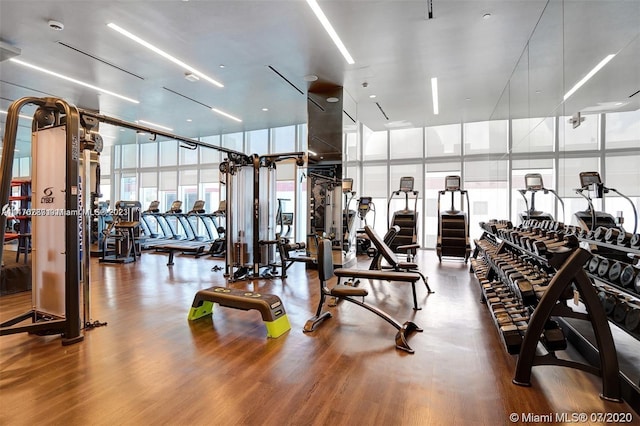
{"points": [[407, 265], [347, 290], [385, 275]]}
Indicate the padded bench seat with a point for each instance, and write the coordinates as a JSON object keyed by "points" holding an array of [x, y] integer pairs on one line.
{"points": [[172, 248], [410, 277]]}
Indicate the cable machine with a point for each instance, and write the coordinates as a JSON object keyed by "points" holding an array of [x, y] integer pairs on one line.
{"points": [[590, 219], [533, 183], [251, 190], [61, 227], [406, 219], [453, 224]]}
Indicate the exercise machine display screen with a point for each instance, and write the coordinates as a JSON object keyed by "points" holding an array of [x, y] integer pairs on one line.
{"points": [[533, 181], [365, 201], [587, 178], [452, 183], [406, 184], [347, 185]]}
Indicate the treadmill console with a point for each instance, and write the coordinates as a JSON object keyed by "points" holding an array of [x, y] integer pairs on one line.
{"points": [[452, 183], [364, 205], [347, 185], [588, 178], [533, 182], [406, 184]]}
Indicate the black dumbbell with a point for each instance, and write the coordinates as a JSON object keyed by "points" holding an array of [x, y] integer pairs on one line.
{"points": [[627, 276], [620, 311], [600, 233], [615, 270], [624, 238], [632, 321], [594, 263], [612, 235], [635, 241], [603, 268], [636, 285], [609, 301], [553, 337]]}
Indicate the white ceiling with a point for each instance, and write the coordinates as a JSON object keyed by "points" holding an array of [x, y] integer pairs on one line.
{"points": [[395, 48]]}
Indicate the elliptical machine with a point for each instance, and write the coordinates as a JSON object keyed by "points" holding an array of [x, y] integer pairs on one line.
{"points": [[533, 183], [406, 219], [365, 206], [591, 219], [453, 224]]}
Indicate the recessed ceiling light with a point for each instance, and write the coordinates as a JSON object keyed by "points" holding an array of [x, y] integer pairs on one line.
{"points": [[486, 16], [372, 96], [73, 80], [329, 29], [265, 109], [56, 25], [221, 65], [312, 152], [538, 91], [163, 54], [584, 79], [434, 94], [467, 99], [216, 110], [332, 99], [189, 120], [191, 76], [159, 126], [310, 77]]}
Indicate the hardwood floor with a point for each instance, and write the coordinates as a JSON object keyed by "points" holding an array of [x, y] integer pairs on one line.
{"points": [[150, 365]]}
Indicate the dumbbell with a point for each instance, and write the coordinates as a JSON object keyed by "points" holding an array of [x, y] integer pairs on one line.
{"points": [[615, 271], [632, 321], [634, 242], [627, 276], [624, 238], [553, 337], [620, 311], [611, 236], [600, 233], [636, 285], [608, 301], [603, 267], [569, 241], [594, 263], [512, 338]]}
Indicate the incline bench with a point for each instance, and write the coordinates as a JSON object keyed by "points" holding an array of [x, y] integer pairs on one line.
{"points": [[269, 305]]}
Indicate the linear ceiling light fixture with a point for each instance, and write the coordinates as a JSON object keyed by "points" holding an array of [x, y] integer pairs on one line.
{"points": [[588, 76], [434, 94], [226, 115], [19, 115], [313, 4], [73, 80], [149, 123], [163, 54]]}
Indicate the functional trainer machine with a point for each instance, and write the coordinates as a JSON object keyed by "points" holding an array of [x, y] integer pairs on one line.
{"points": [[406, 219], [590, 219], [533, 183], [60, 243], [453, 224]]}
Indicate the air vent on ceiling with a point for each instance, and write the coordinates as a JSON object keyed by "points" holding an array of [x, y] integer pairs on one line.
{"points": [[7, 51], [68, 46], [285, 79], [382, 111], [186, 97]]}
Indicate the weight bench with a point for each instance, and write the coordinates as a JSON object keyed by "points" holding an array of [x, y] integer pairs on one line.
{"points": [[346, 292], [197, 250], [395, 266], [269, 306]]}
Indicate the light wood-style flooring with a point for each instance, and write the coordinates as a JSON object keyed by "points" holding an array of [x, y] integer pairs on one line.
{"points": [[151, 366]]}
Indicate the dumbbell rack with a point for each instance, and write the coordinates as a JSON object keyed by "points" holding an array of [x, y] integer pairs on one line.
{"points": [[620, 299], [545, 275]]}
